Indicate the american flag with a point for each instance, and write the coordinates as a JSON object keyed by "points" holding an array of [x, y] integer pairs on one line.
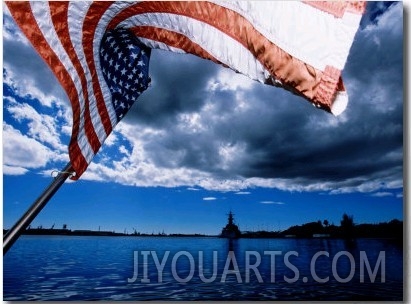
{"points": [[99, 51]]}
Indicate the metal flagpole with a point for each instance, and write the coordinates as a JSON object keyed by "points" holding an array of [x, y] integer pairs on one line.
{"points": [[14, 233]]}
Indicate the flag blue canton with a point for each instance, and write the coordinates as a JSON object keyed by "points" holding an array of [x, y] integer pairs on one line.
{"points": [[124, 63]]}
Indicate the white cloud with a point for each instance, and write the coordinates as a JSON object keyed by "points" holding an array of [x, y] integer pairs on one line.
{"points": [[12, 170], [122, 149], [111, 140], [41, 127], [22, 151], [193, 189], [272, 203], [209, 198], [66, 130], [230, 81], [382, 194]]}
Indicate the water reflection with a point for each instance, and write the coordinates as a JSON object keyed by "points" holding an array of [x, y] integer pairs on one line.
{"points": [[68, 268]]}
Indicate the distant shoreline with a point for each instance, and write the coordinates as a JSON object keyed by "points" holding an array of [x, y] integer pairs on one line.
{"points": [[313, 230], [68, 232], [388, 233]]}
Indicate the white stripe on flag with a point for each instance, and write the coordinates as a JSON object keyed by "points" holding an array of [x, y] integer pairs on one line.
{"points": [[305, 32]]}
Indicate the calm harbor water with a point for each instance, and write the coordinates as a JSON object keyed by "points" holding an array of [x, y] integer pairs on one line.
{"points": [[202, 268]]}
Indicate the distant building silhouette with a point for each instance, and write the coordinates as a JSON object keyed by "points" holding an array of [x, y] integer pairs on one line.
{"points": [[231, 230]]}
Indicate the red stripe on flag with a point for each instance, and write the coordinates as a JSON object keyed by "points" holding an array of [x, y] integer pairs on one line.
{"points": [[329, 84], [59, 11], [22, 14], [338, 8], [356, 7], [77, 160]]}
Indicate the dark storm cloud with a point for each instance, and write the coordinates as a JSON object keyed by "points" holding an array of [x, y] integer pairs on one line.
{"points": [[282, 135], [376, 54], [178, 86]]}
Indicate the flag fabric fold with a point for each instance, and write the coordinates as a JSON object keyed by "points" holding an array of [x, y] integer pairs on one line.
{"points": [[100, 51]]}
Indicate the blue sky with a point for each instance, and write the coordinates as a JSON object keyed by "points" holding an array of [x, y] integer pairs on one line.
{"points": [[203, 141]]}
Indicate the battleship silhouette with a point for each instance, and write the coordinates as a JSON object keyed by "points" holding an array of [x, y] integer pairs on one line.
{"points": [[230, 230]]}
